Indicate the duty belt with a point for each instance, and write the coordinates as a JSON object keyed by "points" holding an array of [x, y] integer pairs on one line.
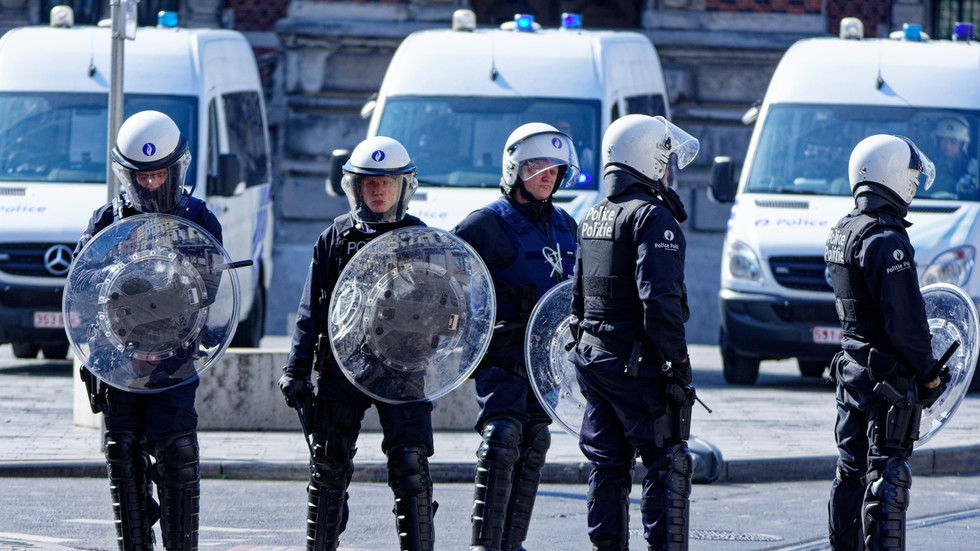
{"points": [[619, 348]]}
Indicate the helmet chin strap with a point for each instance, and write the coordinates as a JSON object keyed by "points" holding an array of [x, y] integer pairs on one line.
{"points": [[519, 188]]}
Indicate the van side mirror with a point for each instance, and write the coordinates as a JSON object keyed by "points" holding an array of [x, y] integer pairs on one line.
{"points": [[337, 162], [722, 180], [225, 182]]}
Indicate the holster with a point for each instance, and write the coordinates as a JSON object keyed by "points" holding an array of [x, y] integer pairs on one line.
{"points": [[882, 366], [322, 352], [897, 426], [97, 391], [675, 424]]}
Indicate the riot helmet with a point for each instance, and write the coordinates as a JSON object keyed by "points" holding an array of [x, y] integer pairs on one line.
{"points": [[955, 128], [642, 146], [150, 160], [533, 149], [890, 162], [379, 180]]}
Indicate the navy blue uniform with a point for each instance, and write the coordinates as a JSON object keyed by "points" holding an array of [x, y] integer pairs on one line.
{"points": [[340, 406], [162, 424], [528, 248], [630, 301], [886, 339]]}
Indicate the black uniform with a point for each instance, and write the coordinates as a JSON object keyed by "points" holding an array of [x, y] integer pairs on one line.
{"points": [[886, 339], [340, 407], [631, 302], [528, 248], [162, 425]]}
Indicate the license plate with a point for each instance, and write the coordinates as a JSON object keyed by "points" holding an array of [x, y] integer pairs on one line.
{"points": [[49, 320], [832, 335]]}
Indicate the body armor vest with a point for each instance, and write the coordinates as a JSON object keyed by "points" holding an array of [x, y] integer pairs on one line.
{"points": [[609, 256], [520, 285], [860, 317]]}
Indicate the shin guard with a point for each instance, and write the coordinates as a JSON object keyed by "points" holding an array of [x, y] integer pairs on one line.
{"points": [[527, 476], [885, 504], [408, 477], [180, 491], [128, 486], [496, 457]]}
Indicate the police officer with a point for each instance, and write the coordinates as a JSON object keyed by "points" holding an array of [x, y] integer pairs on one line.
{"points": [[630, 304], [528, 244], [885, 372], [150, 160], [379, 180], [957, 177]]}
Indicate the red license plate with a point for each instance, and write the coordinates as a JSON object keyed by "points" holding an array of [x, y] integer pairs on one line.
{"points": [[831, 335], [52, 320]]}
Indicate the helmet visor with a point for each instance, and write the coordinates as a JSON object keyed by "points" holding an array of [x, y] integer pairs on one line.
{"points": [[379, 198], [920, 162], [681, 144], [157, 190], [532, 167]]}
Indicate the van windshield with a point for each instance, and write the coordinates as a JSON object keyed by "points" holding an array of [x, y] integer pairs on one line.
{"points": [[61, 137], [804, 149], [459, 141]]}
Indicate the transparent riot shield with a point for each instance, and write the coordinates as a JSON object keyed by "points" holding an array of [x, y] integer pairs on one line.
{"points": [[952, 318], [151, 303], [552, 375], [411, 315]]}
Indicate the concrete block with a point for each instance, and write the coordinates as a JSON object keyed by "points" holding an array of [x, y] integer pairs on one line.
{"points": [[241, 393]]}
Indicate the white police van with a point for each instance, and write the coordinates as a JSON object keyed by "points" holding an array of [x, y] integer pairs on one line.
{"points": [[825, 96], [452, 96], [54, 84]]}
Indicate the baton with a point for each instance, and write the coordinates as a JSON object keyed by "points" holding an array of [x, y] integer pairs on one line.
{"points": [[948, 353], [232, 265], [306, 435]]}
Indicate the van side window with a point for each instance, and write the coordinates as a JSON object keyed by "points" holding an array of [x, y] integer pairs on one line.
{"points": [[647, 104], [246, 136], [212, 160]]}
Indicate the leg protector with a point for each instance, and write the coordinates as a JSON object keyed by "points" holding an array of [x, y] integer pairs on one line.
{"points": [[128, 486], [608, 511], [666, 508], [495, 461], [179, 489], [527, 476], [885, 504], [408, 477], [844, 513], [326, 515]]}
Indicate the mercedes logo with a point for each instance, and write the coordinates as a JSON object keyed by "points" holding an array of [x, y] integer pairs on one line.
{"points": [[57, 260]]}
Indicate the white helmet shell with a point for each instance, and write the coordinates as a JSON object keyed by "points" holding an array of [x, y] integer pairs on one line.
{"points": [[379, 156], [953, 127], [892, 162], [533, 141], [643, 145], [150, 149]]}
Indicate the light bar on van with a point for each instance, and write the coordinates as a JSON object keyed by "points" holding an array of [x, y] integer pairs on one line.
{"points": [[911, 31], [464, 20], [524, 21], [851, 28], [167, 19], [962, 31], [571, 20]]}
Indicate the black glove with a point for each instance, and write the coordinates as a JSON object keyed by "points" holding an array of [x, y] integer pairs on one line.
{"points": [[294, 390], [928, 396], [681, 372]]}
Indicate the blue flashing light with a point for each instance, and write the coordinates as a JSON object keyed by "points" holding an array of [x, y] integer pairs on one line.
{"points": [[584, 178], [571, 20], [525, 22], [912, 31], [963, 31], [167, 19]]}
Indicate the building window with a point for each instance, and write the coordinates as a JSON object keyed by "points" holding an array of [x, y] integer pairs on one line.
{"points": [[950, 12]]}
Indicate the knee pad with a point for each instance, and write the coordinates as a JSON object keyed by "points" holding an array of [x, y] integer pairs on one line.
{"points": [[537, 442], [678, 469], [408, 471], [892, 487], [501, 439], [333, 454], [178, 458], [123, 451]]}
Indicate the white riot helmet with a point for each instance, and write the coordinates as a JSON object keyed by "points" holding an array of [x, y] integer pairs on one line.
{"points": [[642, 145], [379, 180], [954, 128], [150, 160], [892, 162], [533, 148]]}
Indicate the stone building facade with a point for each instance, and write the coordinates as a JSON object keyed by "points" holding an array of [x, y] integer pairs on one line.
{"points": [[322, 59]]}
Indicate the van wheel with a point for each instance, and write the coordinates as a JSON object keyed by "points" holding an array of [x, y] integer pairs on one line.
{"points": [[251, 329], [739, 369], [812, 368], [55, 351], [25, 350]]}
